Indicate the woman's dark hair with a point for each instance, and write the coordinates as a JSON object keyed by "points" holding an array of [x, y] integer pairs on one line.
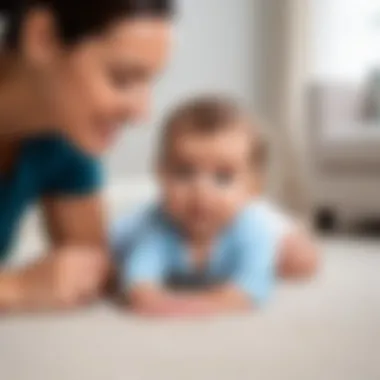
{"points": [[77, 19]]}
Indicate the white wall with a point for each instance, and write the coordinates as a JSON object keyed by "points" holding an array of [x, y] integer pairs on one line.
{"points": [[344, 44], [215, 51]]}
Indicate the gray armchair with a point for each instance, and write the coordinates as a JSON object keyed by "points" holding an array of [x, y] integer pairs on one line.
{"points": [[345, 152]]}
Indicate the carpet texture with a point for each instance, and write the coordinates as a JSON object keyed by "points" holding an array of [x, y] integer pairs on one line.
{"points": [[326, 329]]}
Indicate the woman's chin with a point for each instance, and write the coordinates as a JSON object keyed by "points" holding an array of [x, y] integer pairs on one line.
{"points": [[106, 138], [99, 144], [99, 148], [94, 140], [93, 147]]}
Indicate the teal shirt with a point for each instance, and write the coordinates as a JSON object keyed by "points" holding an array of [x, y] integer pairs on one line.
{"points": [[46, 166]]}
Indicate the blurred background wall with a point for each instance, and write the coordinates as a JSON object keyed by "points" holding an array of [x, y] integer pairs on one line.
{"points": [[344, 39]]}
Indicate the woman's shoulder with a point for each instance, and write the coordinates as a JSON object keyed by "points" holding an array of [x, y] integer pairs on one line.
{"points": [[65, 167], [54, 145]]}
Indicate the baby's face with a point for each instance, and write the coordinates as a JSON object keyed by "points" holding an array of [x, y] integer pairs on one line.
{"points": [[206, 180]]}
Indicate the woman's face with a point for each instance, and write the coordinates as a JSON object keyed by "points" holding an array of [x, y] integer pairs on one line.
{"points": [[97, 86]]}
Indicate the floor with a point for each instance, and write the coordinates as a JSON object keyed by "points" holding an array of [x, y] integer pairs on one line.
{"points": [[327, 329]]}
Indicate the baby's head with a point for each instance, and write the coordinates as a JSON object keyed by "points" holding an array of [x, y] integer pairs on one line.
{"points": [[210, 164]]}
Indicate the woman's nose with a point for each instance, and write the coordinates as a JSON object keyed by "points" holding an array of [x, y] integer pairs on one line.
{"points": [[137, 108]]}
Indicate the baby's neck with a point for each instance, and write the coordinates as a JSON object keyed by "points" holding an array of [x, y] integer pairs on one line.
{"points": [[200, 250], [200, 240]]}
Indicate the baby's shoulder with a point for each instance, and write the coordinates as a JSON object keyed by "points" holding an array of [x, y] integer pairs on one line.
{"points": [[135, 215], [133, 223], [261, 217]]}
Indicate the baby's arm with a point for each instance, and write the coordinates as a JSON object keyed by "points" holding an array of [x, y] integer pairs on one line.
{"points": [[144, 280], [153, 300], [146, 264], [298, 255], [248, 285]]}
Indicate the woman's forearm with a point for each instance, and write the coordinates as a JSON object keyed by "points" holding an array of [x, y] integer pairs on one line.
{"points": [[66, 278], [10, 291]]}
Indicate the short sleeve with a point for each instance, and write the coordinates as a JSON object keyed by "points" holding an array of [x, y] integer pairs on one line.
{"points": [[147, 260], [75, 173], [126, 230], [259, 237], [139, 244]]}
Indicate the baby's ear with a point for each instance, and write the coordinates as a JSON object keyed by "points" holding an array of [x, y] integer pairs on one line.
{"points": [[256, 183]]}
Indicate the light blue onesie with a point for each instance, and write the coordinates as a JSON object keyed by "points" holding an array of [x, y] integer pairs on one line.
{"points": [[149, 249]]}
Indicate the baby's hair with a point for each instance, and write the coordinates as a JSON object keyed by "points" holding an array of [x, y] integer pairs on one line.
{"points": [[210, 114]]}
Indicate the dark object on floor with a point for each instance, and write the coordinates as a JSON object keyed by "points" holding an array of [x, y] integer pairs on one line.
{"points": [[369, 227], [325, 220]]}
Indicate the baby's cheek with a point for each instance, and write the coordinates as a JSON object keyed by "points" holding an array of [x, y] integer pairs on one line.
{"points": [[175, 201], [225, 207], [232, 202]]}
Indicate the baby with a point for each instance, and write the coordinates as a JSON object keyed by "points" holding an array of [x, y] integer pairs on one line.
{"points": [[211, 244]]}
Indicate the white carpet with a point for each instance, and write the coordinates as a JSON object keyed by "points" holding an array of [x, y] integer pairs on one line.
{"points": [[328, 329]]}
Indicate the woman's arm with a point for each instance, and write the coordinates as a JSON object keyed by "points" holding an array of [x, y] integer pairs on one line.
{"points": [[75, 220], [77, 224], [64, 280], [10, 291], [76, 267]]}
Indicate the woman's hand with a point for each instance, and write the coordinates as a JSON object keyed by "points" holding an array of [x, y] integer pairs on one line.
{"points": [[67, 278]]}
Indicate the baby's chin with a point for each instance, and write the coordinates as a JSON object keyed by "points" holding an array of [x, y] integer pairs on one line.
{"points": [[202, 230]]}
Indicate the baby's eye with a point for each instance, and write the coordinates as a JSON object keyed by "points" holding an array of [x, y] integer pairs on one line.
{"points": [[224, 178], [184, 173]]}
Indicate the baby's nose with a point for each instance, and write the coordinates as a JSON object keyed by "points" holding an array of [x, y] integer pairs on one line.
{"points": [[203, 189]]}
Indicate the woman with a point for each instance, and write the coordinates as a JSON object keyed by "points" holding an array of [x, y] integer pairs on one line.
{"points": [[71, 74]]}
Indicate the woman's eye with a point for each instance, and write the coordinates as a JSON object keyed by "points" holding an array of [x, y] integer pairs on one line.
{"points": [[122, 76], [120, 79], [223, 178]]}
